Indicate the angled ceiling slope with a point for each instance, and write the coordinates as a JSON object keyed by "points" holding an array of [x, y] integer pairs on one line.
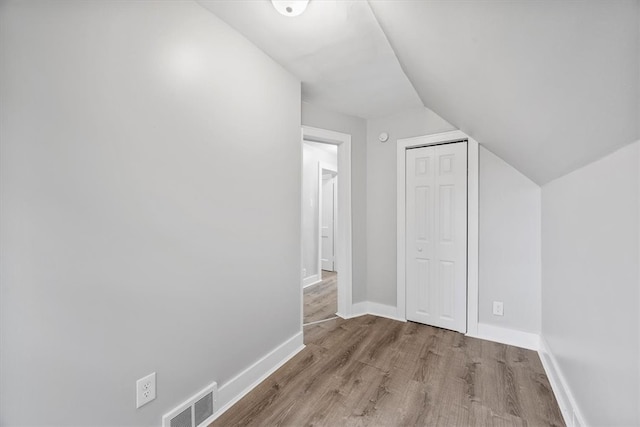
{"points": [[547, 85], [336, 48]]}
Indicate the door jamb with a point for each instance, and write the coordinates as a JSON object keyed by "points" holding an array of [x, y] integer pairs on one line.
{"points": [[472, 219], [344, 239]]}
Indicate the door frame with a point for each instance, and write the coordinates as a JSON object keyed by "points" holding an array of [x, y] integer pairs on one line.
{"points": [[322, 166], [343, 239], [472, 219]]}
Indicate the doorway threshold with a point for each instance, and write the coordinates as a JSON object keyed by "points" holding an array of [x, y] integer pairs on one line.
{"points": [[320, 321]]}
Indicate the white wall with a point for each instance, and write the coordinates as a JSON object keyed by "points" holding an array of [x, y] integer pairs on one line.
{"points": [[381, 195], [509, 229], [591, 283], [148, 207], [315, 116], [312, 154]]}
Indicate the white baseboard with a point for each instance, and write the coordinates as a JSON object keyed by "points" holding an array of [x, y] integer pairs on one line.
{"points": [[570, 410], [373, 308], [507, 336], [513, 337], [383, 310], [357, 309], [236, 388], [311, 280]]}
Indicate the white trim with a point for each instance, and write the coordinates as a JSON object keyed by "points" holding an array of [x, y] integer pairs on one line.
{"points": [[473, 235], [343, 240], [374, 308], [335, 219], [507, 336], [235, 389], [357, 309], [311, 280], [383, 310], [570, 411], [301, 259], [472, 220], [319, 224], [638, 160]]}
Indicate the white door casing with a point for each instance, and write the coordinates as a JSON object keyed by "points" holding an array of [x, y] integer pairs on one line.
{"points": [[436, 235], [327, 221], [472, 219]]}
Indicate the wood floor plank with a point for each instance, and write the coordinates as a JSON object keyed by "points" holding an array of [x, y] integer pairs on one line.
{"points": [[321, 300], [372, 371]]}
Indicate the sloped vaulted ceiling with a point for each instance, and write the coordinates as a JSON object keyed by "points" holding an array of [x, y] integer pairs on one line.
{"points": [[547, 85], [336, 48]]}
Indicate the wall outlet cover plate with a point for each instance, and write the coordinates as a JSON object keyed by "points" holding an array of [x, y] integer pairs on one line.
{"points": [[145, 390]]}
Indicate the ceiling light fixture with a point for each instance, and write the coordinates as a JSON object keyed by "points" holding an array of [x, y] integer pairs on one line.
{"points": [[290, 7]]}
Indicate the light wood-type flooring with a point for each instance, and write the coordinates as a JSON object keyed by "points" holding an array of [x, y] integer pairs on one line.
{"points": [[321, 300], [372, 371]]}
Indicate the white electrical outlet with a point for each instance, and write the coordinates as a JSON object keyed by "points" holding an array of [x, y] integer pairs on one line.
{"points": [[498, 308], [145, 390]]}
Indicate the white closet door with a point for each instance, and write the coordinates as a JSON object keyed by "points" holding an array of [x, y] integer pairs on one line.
{"points": [[436, 227]]}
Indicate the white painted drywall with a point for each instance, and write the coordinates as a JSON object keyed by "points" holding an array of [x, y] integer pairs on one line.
{"points": [[509, 246], [312, 154], [381, 195], [315, 116], [150, 206], [590, 285]]}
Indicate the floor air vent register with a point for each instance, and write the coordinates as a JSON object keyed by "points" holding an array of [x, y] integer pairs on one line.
{"points": [[195, 412]]}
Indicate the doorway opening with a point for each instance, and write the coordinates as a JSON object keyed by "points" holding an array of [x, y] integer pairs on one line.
{"points": [[319, 223], [326, 225]]}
